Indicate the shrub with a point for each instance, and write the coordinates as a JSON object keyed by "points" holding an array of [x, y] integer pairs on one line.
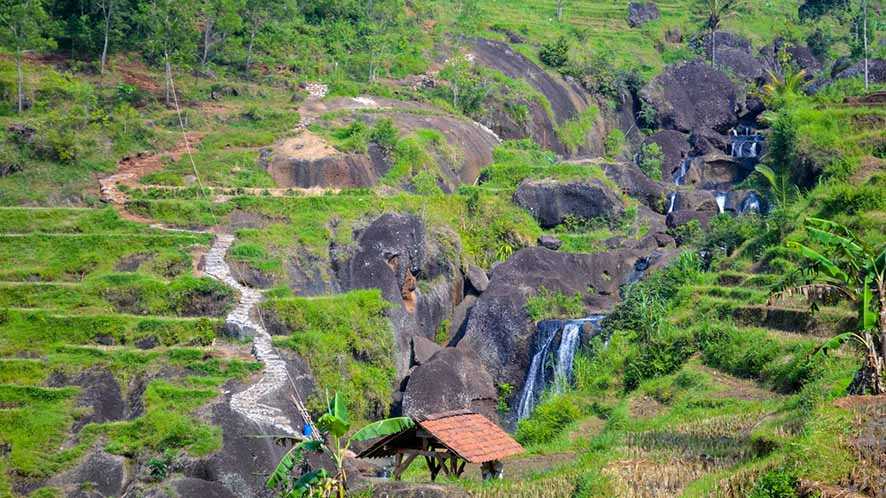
{"points": [[555, 54], [651, 158], [549, 419], [775, 484], [385, 134], [615, 141], [548, 304]]}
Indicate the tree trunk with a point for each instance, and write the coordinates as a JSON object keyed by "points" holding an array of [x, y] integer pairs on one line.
{"points": [[560, 10], [865, 34], [207, 37], [107, 34], [20, 81], [714, 48], [249, 50], [168, 77]]}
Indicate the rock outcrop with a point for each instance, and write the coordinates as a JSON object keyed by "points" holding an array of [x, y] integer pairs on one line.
{"points": [[567, 100], [552, 202], [640, 13], [451, 379], [691, 96], [393, 254], [674, 147], [499, 328]]}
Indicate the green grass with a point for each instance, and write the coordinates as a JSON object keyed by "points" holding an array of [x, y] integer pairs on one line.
{"points": [[35, 330], [71, 257], [347, 341]]}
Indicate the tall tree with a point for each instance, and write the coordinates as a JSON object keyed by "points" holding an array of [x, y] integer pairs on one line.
{"points": [[170, 33], [716, 11], [108, 10], [561, 6], [257, 14], [26, 27], [219, 19]]}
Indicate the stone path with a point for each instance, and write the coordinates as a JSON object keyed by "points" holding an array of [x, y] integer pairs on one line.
{"points": [[252, 402]]}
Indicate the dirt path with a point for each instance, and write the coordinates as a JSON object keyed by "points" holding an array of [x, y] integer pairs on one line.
{"points": [[130, 171]]}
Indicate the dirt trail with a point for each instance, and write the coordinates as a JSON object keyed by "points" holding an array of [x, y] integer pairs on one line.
{"points": [[131, 169]]}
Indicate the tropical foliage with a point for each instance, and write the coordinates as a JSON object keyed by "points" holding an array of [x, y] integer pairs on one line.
{"points": [[840, 265], [289, 480]]}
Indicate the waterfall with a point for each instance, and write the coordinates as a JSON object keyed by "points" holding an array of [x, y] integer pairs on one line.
{"points": [[535, 377], [681, 173], [751, 203], [744, 143], [570, 332], [721, 201], [672, 201]]}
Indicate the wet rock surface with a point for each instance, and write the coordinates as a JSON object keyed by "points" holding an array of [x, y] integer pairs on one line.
{"points": [[674, 146], [499, 328]]}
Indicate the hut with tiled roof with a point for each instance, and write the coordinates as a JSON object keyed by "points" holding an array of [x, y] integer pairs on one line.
{"points": [[447, 441]]}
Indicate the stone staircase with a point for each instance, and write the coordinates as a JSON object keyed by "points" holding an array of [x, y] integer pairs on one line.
{"points": [[253, 402]]}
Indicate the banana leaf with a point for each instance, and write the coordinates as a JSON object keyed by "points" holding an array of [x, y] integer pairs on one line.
{"points": [[383, 428]]}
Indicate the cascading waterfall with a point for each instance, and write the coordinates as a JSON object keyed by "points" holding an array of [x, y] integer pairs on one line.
{"points": [[720, 197], [535, 377], [672, 201], [751, 204], [681, 172], [745, 142], [570, 332]]}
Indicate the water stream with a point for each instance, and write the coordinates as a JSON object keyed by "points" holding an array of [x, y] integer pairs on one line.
{"points": [[553, 367]]}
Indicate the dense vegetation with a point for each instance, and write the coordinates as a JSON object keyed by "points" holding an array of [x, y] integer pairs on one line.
{"points": [[697, 385]]}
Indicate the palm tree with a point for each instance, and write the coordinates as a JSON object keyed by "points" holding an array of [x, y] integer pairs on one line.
{"points": [[779, 91], [716, 11], [335, 423], [847, 267]]}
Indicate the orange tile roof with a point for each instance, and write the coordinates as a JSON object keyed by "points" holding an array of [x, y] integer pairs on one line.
{"points": [[472, 436]]}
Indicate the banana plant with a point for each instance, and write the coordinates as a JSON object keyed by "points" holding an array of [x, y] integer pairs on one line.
{"points": [[334, 424], [842, 265]]}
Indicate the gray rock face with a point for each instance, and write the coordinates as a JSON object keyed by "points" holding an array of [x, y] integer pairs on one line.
{"points": [[552, 202], [189, 486], [102, 474], [692, 96], [696, 200], [499, 329], [714, 171], [680, 218], [550, 242], [451, 379], [100, 392], [338, 170], [476, 279], [423, 349], [567, 99], [636, 184], [393, 253], [639, 13], [674, 146]]}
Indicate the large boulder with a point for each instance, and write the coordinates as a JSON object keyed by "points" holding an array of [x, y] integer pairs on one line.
{"points": [[499, 328], [691, 96], [715, 171], [552, 202], [307, 160], [735, 53], [633, 182], [876, 74], [394, 253], [98, 475], [674, 147], [566, 97], [640, 13], [452, 379], [694, 200], [100, 394], [677, 219]]}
